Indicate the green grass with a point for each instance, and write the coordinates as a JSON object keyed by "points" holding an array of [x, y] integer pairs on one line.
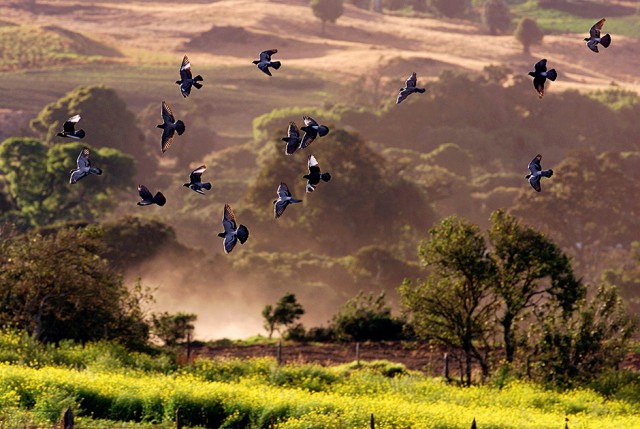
{"points": [[555, 21]]}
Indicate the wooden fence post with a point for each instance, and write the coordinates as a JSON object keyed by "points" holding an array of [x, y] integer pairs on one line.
{"points": [[178, 422], [279, 352], [66, 421], [446, 366], [358, 354], [473, 424], [373, 422]]}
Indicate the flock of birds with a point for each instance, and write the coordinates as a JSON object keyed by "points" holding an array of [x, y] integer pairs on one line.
{"points": [[234, 232]]}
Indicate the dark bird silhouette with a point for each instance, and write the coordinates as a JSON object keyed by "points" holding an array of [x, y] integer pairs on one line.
{"points": [[284, 199], [148, 198], [195, 180], [537, 173], [312, 130], [540, 76], [69, 129], [409, 88], [186, 81], [292, 139], [265, 61], [473, 424], [84, 167], [594, 37], [314, 176], [232, 233], [169, 126]]}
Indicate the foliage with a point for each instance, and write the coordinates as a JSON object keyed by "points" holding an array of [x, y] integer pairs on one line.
{"points": [[58, 287], [528, 33], [365, 318], [106, 119], [283, 315], [454, 306], [327, 10], [450, 8], [38, 182], [496, 16], [573, 350], [173, 329]]}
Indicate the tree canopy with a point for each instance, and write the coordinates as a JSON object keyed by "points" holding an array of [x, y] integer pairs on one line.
{"points": [[528, 33], [327, 10]]}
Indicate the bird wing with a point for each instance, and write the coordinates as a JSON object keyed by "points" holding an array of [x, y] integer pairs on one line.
{"points": [[534, 165], [278, 207], [266, 55], [144, 193], [293, 134], [411, 81], [228, 220], [168, 135], [167, 114], [230, 241], [402, 94], [195, 175], [595, 29], [283, 191], [83, 159], [535, 182], [541, 66], [313, 164], [265, 68], [309, 121], [69, 124], [77, 175], [185, 68], [308, 138]]}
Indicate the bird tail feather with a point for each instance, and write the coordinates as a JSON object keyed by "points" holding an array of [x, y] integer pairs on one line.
{"points": [[80, 134], [95, 170], [605, 40], [552, 75], [180, 127], [207, 186], [275, 64], [197, 85], [325, 177], [421, 90], [198, 79]]}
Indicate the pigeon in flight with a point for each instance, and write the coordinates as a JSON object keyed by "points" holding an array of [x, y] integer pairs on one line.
{"points": [[195, 181], [540, 76], [265, 61], [409, 88], [69, 128], [186, 81], [84, 167], [169, 126], [537, 173], [232, 233], [594, 37], [311, 131], [292, 139], [314, 176], [284, 199], [148, 198]]}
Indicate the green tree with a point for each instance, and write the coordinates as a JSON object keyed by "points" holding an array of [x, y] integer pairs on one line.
{"points": [[173, 329], [496, 16], [367, 318], [38, 182], [106, 119], [455, 305], [59, 287], [578, 349], [528, 33], [450, 8], [327, 10], [529, 269], [286, 311]]}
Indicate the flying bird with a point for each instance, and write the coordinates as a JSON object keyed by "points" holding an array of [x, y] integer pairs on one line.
{"points": [[186, 80], [314, 176], [311, 131], [292, 139], [409, 88], [84, 167], [594, 37], [195, 180], [265, 61], [284, 199], [148, 198], [169, 126], [540, 76], [232, 233], [537, 173], [69, 128]]}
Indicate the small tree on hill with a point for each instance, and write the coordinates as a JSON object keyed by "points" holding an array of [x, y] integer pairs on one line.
{"points": [[496, 16], [528, 33], [284, 314], [450, 8], [172, 329], [327, 10]]}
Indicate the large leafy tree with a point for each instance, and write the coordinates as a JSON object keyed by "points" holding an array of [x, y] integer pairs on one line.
{"points": [[105, 118], [529, 270], [327, 10], [496, 16], [59, 287], [173, 329], [38, 182], [450, 8], [455, 305], [528, 33], [284, 314]]}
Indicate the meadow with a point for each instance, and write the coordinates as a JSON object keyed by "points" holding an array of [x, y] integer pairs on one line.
{"points": [[107, 386]]}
